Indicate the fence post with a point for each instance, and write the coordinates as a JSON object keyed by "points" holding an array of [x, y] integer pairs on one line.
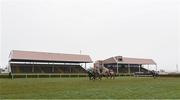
{"points": [[26, 75]]}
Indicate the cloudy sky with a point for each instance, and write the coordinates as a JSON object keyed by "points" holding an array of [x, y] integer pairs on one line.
{"points": [[99, 28]]}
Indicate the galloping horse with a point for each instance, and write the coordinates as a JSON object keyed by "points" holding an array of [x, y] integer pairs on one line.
{"points": [[93, 74], [154, 74], [106, 72], [112, 73], [99, 72]]}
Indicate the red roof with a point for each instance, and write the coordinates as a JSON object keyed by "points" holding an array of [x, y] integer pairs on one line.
{"points": [[17, 55]]}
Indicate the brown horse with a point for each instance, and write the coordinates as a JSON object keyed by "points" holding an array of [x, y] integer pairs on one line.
{"points": [[108, 73]]}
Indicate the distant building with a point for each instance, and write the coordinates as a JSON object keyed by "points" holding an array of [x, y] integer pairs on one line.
{"points": [[122, 64], [45, 62]]}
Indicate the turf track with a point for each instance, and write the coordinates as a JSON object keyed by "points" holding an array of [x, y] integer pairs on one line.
{"points": [[82, 88]]}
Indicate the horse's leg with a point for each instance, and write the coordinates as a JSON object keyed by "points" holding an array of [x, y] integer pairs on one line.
{"points": [[114, 76], [107, 76], [154, 76], [100, 77], [110, 75], [90, 78], [94, 77]]}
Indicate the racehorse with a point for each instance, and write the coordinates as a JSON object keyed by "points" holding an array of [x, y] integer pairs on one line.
{"points": [[93, 74], [106, 72], [112, 74], [98, 73], [154, 74]]}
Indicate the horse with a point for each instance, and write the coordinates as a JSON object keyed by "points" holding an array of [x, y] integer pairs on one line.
{"points": [[93, 74], [106, 72], [154, 74], [98, 73], [112, 74]]}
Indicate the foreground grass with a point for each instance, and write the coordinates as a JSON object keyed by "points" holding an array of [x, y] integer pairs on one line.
{"points": [[82, 88]]}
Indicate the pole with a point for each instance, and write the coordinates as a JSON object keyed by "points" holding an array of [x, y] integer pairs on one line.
{"points": [[33, 68], [139, 68], [117, 69], [129, 70], [53, 67], [85, 66], [9, 67], [70, 69]]}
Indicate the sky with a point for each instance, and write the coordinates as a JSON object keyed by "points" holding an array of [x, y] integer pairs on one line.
{"points": [[99, 28]]}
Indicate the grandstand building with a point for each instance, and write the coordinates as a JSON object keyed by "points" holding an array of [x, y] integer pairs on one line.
{"points": [[44, 62], [125, 64]]}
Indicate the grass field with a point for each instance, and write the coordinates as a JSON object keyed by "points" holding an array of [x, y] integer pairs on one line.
{"points": [[82, 88]]}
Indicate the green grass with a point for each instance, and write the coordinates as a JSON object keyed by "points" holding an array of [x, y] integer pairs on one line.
{"points": [[82, 88]]}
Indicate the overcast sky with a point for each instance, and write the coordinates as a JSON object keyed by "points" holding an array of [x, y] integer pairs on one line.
{"points": [[100, 28]]}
